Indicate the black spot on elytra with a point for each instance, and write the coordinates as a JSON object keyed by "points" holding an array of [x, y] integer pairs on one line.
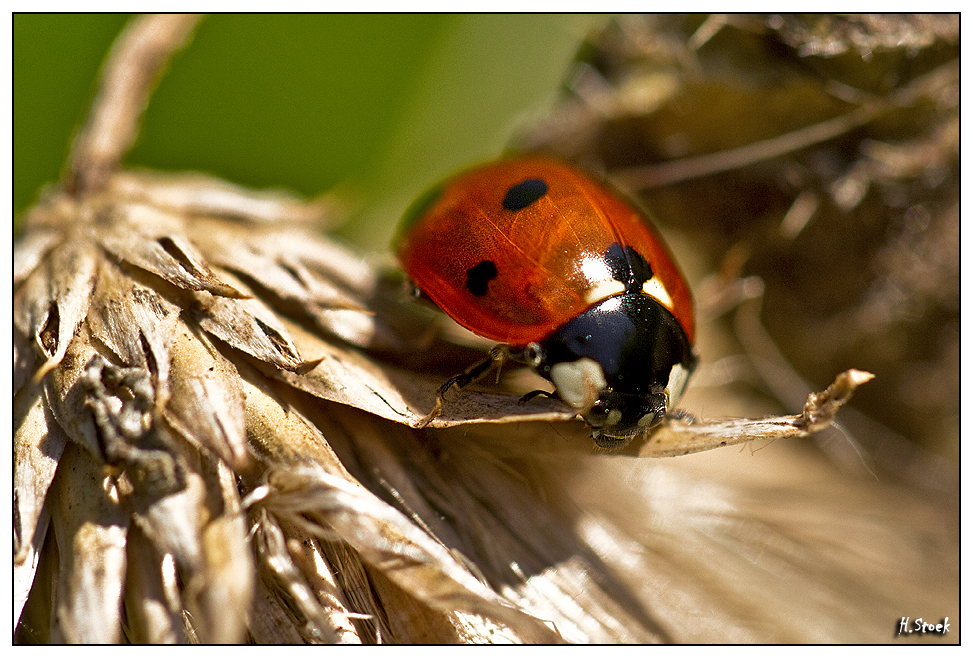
{"points": [[523, 194], [628, 266], [479, 276]]}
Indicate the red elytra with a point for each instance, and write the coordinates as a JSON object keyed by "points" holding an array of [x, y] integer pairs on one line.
{"points": [[516, 275]]}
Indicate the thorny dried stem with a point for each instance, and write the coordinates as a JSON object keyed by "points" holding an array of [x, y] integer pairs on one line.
{"points": [[685, 437], [820, 408]]}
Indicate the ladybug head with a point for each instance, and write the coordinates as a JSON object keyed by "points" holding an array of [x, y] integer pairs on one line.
{"points": [[621, 364], [617, 417]]}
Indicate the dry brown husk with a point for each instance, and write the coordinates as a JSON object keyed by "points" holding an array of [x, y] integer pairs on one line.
{"points": [[214, 417]]}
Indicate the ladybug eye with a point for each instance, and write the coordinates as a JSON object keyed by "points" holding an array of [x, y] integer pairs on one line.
{"points": [[533, 355], [598, 414]]}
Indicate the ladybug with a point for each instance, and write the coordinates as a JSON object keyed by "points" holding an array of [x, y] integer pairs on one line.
{"points": [[568, 277]]}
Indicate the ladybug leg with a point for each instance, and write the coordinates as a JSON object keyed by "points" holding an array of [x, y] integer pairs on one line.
{"points": [[538, 393], [498, 355]]}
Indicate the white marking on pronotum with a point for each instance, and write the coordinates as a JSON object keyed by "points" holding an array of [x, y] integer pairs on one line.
{"points": [[579, 382], [678, 378]]}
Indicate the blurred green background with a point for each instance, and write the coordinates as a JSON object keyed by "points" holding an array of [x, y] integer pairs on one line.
{"points": [[379, 106]]}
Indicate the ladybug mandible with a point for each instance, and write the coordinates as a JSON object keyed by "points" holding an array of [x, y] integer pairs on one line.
{"points": [[570, 278]]}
